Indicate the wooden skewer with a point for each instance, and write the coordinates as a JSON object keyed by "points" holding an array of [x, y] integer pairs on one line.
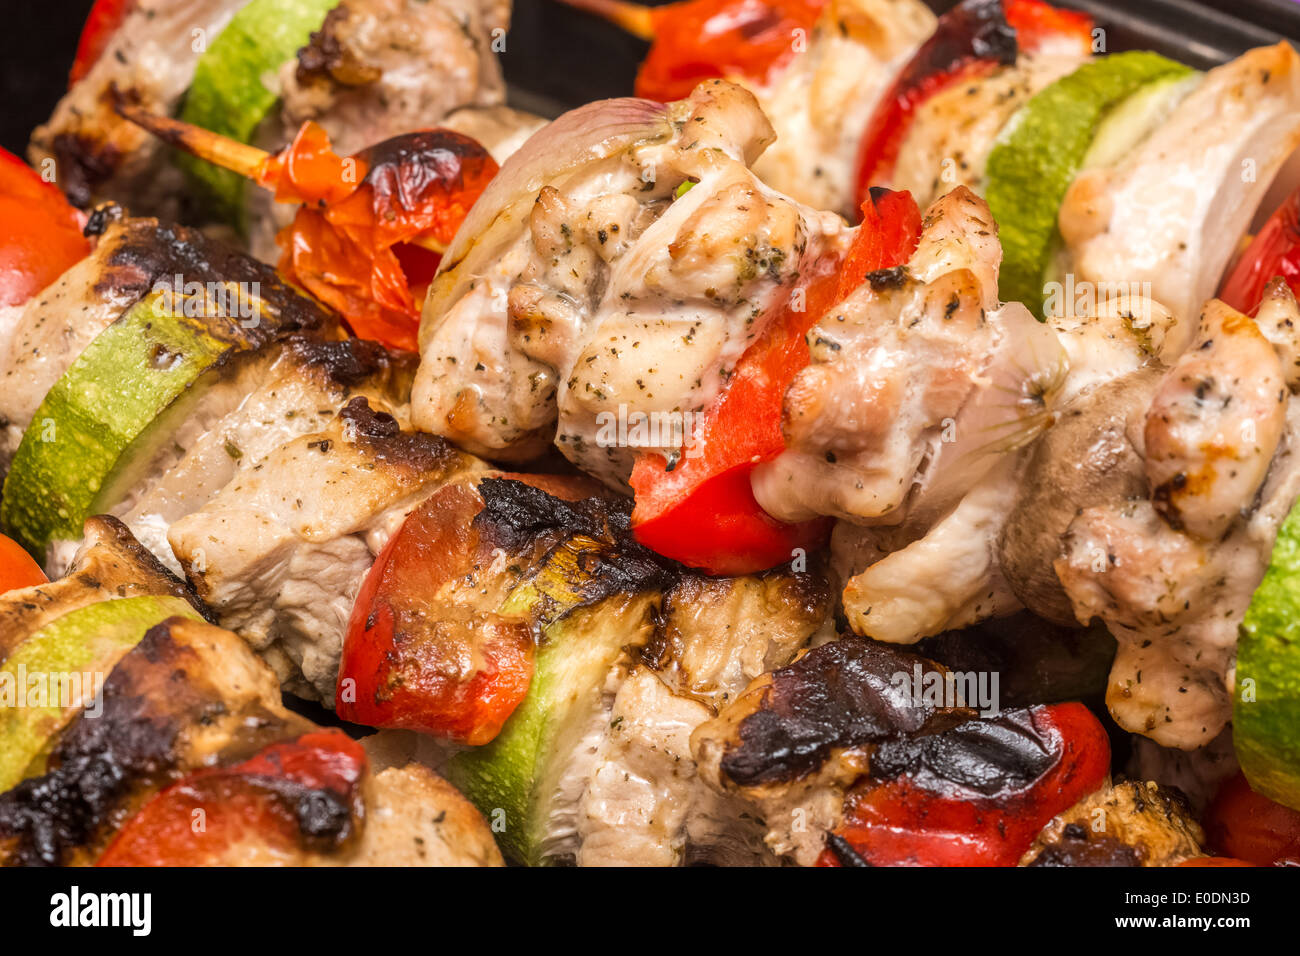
{"points": [[213, 147], [635, 18]]}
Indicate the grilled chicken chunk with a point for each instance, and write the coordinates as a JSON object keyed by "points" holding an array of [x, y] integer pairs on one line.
{"points": [[801, 735], [821, 102], [1160, 216], [376, 68], [280, 552], [1129, 824], [918, 383], [609, 291], [265, 399], [151, 59], [192, 719], [1172, 572]]}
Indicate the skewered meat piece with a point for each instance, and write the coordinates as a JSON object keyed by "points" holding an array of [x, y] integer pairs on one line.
{"points": [[611, 288], [376, 68], [279, 553]]}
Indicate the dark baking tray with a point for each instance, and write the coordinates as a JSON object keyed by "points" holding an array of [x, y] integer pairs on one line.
{"points": [[557, 58]]}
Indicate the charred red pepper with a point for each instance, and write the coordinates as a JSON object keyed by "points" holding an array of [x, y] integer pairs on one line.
{"points": [[1275, 251], [296, 796], [1248, 826], [701, 510], [975, 795], [372, 227], [971, 40], [101, 23], [422, 652], [40, 233]]}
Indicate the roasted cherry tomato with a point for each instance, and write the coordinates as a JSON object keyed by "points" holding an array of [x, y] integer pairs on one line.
{"points": [[1243, 824], [17, 569], [293, 797], [701, 510], [1036, 764], [1275, 251], [372, 229], [40, 234]]}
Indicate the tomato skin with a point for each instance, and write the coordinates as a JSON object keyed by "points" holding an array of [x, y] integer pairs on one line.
{"points": [[17, 567], [1245, 825], [700, 40], [972, 40], [1275, 251], [703, 512], [421, 652], [898, 822], [359, 242], [101, 23], [414, 670], [252, 804], [40, 233]]}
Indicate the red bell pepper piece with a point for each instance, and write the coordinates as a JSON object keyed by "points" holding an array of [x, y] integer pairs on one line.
{"points": [[101, 23], [971, 40], [702, 511], [1275, 251], [702, 39], [17, 569], [40, 233], [908, 821], [296, 796], [1248, 826]]}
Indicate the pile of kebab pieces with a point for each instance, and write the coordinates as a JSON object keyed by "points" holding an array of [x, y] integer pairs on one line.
{"points": [[573, 553]]}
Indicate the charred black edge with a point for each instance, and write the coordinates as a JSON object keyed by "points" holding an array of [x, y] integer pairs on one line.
{"points": [[1076, 848], [976, 28], [410, 166], [844, 852], [834, 697], [147, 252], [380, 435], [518, 517], [122, 539], [349, 362], [95, 765], [988, 757]]}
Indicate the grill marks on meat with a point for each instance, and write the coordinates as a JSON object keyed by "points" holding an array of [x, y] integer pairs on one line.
{"points": [[280, 552], [193, 708], [132, 255]]}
